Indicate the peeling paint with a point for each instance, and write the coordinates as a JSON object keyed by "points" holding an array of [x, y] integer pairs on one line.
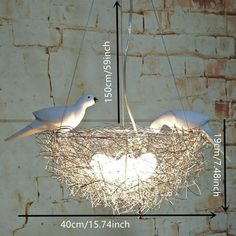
{"points": [[27, 207], [175, 229], [155, 227], [81, 87], [3, 105], [19, 198], [50, 80], [62, 191], [37, 188], [19, 2]]}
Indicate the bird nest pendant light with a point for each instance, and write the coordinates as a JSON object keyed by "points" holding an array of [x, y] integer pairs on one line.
{"points": [[128, 169]]}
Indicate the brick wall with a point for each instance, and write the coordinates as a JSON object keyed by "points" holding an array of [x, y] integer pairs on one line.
{"points": [[39, 43]]}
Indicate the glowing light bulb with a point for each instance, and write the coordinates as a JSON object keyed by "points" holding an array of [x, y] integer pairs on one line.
{"points": [[127, 169]]}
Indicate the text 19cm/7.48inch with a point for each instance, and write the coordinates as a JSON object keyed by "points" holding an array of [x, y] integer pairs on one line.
{"points": [[217, 164]]}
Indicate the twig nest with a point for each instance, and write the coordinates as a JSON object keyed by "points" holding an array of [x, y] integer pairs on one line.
{"points": [[124, 170]]}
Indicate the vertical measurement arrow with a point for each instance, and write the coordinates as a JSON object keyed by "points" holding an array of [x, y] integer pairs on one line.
{"points": [[225, 207], [117, 5]]}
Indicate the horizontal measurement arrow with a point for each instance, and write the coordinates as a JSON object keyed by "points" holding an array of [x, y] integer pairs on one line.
{"points": [[211, 214]]}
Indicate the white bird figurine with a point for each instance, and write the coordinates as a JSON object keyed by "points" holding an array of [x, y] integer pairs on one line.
{"points": [[60, 117], [184, 120]]}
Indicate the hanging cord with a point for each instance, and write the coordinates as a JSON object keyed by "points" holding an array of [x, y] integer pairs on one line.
{"points": [[125, 63], [168, 58], [77, 61]]}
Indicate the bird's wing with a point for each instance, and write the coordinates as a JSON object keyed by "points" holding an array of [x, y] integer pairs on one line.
{"points": [[52, 114], [194, 119]]}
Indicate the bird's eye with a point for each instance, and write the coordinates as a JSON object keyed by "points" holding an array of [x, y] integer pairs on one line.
{"points": [[88, 97]]}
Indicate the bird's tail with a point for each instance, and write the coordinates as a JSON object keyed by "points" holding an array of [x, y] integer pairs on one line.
{"points": [[33, 128]]}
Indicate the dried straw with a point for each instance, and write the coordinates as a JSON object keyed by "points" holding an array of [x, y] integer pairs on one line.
{"points": [[178, 154]]}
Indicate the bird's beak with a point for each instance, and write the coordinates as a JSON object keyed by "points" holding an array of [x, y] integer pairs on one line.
{"points": [[95, 100]]}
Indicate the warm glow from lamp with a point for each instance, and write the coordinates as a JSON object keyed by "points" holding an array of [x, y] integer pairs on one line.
{"points": [[127, 169]]}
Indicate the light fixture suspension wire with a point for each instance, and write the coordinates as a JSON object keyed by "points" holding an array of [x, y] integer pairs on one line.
{"points": [[125, 63], [77, 60], [168, 58]]}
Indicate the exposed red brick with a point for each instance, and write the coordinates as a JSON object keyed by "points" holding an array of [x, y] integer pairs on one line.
{"points": [[231, 134], [209, 202], [216, 89], [192, 86], [225, 46], [234, 182], [209, 3], [233, 110], [216, 67], [222, 109], [230, 6], [200, 2], [231, 25], [182, 3]]}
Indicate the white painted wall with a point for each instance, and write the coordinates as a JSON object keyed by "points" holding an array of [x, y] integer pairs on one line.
{"points": [[39, 39]]}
